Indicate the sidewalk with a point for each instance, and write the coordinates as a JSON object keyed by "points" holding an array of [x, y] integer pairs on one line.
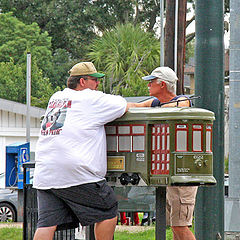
{"points": [[133, 229], [232, 235], [12, 224]]}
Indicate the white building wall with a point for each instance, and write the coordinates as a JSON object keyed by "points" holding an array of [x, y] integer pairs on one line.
{"points": [[13, 130], [12, 120]]}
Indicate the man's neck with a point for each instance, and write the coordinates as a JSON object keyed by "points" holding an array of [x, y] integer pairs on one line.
{"points": [[166, 97]]}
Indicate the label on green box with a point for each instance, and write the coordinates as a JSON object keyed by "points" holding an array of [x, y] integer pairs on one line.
{"points": [[192, 164], [116, 163]]}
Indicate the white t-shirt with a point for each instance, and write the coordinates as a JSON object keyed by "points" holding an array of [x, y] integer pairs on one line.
{"points": [[71, 149]]}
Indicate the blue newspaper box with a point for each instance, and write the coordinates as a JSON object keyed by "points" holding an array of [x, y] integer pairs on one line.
{"points": [[16, 155]]}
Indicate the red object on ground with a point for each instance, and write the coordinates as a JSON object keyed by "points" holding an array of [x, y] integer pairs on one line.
{"points": [[136, 218], [123, 218], [127, 220]]}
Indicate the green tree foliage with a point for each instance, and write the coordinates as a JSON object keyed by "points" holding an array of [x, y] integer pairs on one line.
{"points": [[125, 54], [68, 22], [16, 38], [108, 13], [60, 66], [13, 83], [73, 24], [190, 48]]}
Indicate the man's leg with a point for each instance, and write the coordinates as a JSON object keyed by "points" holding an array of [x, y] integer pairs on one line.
{"points": [[105, 230], [44, 233], [182, 233], [180, 201]]}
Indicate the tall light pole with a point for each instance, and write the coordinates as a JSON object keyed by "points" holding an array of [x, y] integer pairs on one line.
{"points": [[28, 98], [209, 84], [232, 206]]}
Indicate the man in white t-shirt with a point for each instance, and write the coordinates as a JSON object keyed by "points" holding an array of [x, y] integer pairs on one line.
{"points": [[71, 157]]}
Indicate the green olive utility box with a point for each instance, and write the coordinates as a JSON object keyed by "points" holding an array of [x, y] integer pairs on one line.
{"points": [[161, 146]]}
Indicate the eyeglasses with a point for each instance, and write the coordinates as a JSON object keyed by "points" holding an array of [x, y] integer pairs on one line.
{"points": [[155, 80]]}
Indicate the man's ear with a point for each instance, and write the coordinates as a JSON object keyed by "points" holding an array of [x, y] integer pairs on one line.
{"points": [[82, 82], [163, 84]]}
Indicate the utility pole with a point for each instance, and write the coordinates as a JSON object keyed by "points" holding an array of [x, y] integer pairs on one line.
{"points": [[175, 39], [169, 34], [181, 45], [209, 84]]}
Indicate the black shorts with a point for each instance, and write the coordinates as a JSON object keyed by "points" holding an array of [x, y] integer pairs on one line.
{"points": [[85, 204]]}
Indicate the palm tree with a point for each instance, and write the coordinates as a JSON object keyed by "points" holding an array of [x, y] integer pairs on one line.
{"points": [[125, 54]]}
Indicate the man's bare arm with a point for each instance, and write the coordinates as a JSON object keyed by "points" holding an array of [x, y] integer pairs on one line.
{"points": [[147, 103], [180, 104]]}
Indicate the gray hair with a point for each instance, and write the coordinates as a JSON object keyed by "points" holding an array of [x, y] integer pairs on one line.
{"points": [[171, 87]]}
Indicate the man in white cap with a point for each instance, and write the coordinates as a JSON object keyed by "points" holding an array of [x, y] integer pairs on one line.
{"points": [[180, 200], [71, 157]]}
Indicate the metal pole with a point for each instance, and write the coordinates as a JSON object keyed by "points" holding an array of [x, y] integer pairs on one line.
{"points": [[28, 94], [176, 37], [162, 33], [209, 84], [90, 232], [232, 206], [25, 235], [160, 231]]}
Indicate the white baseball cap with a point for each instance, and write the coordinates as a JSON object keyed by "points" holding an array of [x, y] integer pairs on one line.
{"points": [[163, 73]]}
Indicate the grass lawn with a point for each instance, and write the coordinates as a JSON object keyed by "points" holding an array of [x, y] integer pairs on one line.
{"points": [[11, 233], [145, 235]]}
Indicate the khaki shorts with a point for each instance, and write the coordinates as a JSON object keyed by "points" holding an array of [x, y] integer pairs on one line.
{"points": [[180, 205]]}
